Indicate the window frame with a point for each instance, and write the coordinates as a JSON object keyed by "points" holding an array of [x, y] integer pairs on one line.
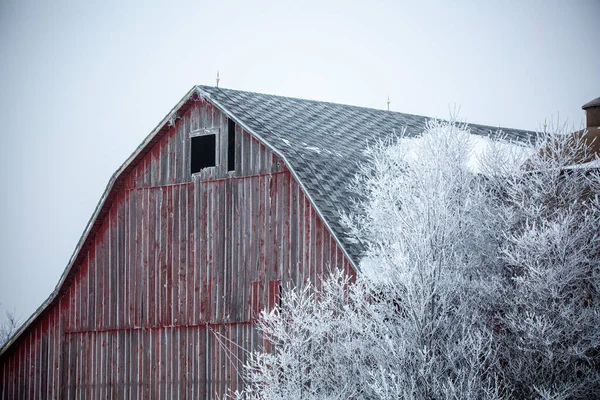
{"points": [[204, 132]]}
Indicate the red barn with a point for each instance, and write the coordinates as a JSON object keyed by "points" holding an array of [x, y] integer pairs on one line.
{"points": [[231, 197]]}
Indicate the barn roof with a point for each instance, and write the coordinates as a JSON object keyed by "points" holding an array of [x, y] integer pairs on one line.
{"points": [[321, 143], [324, 143]]}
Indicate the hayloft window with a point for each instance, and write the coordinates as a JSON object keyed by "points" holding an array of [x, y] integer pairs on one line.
{"points": [[203, 152], [230, 145]]}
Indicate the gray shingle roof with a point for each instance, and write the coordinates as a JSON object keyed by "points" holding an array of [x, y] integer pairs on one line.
{"points": [[324, 142]]}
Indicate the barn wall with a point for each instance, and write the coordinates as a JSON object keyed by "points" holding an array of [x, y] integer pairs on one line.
{"points": [[175, 277]]}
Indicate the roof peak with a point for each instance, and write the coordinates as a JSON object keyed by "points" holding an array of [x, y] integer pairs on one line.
{"points": [[212, 89], [208, 89]]}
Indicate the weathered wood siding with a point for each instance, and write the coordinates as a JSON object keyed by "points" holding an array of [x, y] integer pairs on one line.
{"points": [[163, 304]]}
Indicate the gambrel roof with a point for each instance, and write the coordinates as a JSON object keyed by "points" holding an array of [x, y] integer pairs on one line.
{"points": [[324, 143], [321, 143]]}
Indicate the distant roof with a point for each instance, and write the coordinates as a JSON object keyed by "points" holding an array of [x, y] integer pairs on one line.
{"points": [[324, 143], [590, 104]]}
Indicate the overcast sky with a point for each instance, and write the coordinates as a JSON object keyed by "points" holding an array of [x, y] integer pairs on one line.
{"points": [[83, 82]]}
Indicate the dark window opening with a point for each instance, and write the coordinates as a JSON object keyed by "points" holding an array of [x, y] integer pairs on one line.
{"points": [[231, 145], [203, 152]]}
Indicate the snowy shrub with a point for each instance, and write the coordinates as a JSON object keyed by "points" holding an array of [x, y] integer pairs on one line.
{"points": [[321, 349]]}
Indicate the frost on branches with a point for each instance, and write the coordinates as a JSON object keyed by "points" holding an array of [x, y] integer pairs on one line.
{"points": [[549, 340], [480, 280]]}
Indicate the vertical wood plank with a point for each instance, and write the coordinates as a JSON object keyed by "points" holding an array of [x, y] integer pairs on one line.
{"points": [[293, 234], [191, 259]]}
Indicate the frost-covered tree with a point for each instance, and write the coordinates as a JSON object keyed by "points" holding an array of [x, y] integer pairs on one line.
{"points": [[479, 280], [430, 258], [550, 249]]}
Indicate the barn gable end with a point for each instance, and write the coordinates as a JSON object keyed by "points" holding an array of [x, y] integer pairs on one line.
{"points": [[172, 270]]}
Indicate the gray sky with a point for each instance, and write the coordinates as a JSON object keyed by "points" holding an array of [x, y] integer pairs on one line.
{"points": [[82, 83]]}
